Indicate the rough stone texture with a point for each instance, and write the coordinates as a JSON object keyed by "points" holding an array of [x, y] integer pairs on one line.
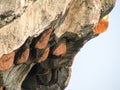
{"points": [[36, 18], [39, 39], [80, 17]]}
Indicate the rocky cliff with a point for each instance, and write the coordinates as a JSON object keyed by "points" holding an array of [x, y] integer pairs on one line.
{"points": [[39, 39]]}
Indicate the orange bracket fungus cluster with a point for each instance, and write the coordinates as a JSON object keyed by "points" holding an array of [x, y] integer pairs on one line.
{"points": [[37, 49]]}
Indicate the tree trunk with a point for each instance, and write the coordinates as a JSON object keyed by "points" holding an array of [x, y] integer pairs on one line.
{"points": [[39, 39]]}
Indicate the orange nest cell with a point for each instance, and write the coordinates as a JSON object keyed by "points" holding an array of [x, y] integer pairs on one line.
{"points": [[102, 25]]}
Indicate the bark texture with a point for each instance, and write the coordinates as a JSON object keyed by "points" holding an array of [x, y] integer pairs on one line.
{"points": [[39, 39]]}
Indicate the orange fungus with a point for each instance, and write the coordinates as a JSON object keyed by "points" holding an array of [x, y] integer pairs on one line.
{"points": [[102, 25]]}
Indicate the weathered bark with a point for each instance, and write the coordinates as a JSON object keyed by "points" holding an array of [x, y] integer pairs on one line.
{"points": [[39, 39]]}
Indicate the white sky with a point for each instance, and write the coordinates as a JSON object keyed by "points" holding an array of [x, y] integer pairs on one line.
{"points": [[97, 65]]}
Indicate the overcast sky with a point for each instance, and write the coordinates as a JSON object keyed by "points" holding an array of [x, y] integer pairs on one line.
{"points": [[97, 65]]}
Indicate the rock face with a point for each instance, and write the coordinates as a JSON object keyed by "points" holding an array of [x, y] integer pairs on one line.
{"points": [[39, 39]]}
